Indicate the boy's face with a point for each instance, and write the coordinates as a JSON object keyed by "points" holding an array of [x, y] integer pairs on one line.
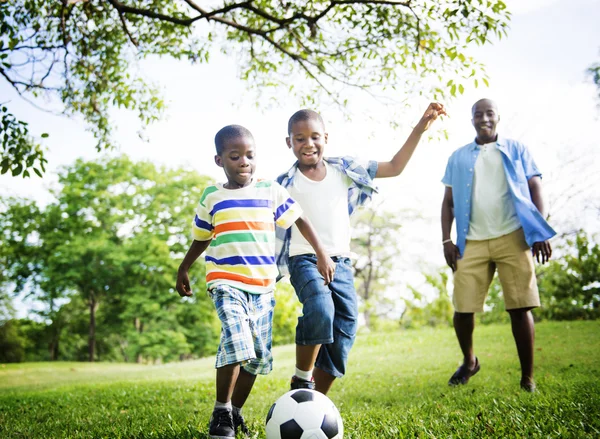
{"points": [[485, 119], [238, 160], [307, 140]]}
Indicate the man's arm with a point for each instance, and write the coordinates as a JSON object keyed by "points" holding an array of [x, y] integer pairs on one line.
{"points": [[183, 281], [451, 252], [324, 263], [542, 248], [395, 166], [535, 190]]}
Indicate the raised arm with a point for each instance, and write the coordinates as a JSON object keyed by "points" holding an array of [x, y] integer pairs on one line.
{"points": [[324, 263], [541, 248], [193, 253], [451, 252], [395, 166]]}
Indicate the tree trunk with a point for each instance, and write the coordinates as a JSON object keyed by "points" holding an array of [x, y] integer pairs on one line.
{"points": [[92, 337], [54, 349], [139, 326]]}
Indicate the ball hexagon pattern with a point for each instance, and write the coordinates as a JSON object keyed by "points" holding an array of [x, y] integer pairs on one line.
{"points": [[304, 414]]}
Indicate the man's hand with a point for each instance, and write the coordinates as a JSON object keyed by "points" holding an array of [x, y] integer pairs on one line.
{"points": [[326, 268], [183, 283], [451, 253], [431, 114], [542, 248]]}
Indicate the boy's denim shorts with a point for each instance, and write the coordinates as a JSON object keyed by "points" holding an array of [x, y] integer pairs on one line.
{"points": [[329, 312], [246, 328]]}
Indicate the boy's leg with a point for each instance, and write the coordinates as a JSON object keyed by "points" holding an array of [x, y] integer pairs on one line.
{"points": [[236, 347], [323, 381], [333, 357], [227, 377], [221, 421], [315, 325], [243, 387], [241, 391], [260, 322], [306, 355]]}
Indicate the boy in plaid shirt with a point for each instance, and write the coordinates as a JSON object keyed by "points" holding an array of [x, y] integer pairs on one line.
{"points": [[329, 190]]}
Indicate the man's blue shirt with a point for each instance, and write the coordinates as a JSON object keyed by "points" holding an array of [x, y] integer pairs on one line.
{"points": [[519, 167]]}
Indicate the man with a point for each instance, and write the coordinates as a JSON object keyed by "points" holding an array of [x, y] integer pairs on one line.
{"points": [[494, 190]]}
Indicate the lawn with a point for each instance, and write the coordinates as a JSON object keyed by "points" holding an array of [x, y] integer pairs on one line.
{"points": [[396, 387]]}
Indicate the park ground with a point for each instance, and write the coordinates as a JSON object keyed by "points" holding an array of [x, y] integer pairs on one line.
{"points": [[396, 387]]}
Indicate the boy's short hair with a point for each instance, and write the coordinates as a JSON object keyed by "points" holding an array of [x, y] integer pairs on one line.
{"points": [[230, 132], [302, 115]]}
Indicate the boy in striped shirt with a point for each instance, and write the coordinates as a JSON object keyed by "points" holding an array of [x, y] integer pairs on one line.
{"points": [[235, 225]]}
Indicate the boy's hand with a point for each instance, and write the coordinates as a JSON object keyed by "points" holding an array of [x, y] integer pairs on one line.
{"points": [[431, 114], [326, 268], [183, 283]]}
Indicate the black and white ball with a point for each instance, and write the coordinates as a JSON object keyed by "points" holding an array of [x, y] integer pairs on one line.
{"points": [[304, 414]]}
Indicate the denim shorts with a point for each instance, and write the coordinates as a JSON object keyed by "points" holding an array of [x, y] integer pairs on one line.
{"points": [[329, 312], [246, 328]]}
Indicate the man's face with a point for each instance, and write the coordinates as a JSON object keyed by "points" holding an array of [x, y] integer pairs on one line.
{"points": [[307, 140], [238, 160], [485, 119]]}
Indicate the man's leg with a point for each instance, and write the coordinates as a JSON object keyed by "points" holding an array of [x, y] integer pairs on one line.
{"points": [[524, 333], [517, 276], [472, 279], [464, 325]]}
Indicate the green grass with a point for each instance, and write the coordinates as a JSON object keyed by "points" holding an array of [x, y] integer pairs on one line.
{"points": [[396, 387]]}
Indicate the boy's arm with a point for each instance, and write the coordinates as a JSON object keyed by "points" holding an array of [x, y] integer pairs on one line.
{"points": [[324, 263], [183, 281], [542, 248], [395, 166], [451, 252]]}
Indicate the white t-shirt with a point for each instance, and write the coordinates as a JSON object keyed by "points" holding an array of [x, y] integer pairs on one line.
{"points": [[493, 212], [325, 203]]}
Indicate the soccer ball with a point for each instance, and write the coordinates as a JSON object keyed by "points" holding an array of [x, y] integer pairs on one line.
{"points": [[304, 414]]}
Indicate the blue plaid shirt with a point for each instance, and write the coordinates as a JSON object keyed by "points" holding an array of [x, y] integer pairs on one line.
{"points": [[360, 191]]}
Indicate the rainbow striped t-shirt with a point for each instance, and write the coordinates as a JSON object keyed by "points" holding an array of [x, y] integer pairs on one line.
{"points": [[241, 226]]}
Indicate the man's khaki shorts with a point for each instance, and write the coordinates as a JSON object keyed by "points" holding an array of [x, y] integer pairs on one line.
{"points": [[475, 270]]}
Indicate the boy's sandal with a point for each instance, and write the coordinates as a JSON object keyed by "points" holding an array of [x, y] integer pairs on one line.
{"points": [[462, 374]]}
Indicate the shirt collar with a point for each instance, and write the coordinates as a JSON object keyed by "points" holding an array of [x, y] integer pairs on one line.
{"points": [[500, 142]]}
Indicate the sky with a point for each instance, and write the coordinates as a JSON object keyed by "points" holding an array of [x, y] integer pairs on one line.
{"points": [[537, 77]]}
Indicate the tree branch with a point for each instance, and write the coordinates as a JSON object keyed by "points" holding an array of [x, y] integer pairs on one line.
{"points": [[126, 30]]}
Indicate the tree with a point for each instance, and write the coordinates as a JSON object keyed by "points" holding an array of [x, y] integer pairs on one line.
{"points": [[432, 312], [375, 242], [594, 72], [112, 238], [81, 53], [570, 286]]}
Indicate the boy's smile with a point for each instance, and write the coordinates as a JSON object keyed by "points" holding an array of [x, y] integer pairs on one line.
{"points": [[238, 160], [307, 140]]}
